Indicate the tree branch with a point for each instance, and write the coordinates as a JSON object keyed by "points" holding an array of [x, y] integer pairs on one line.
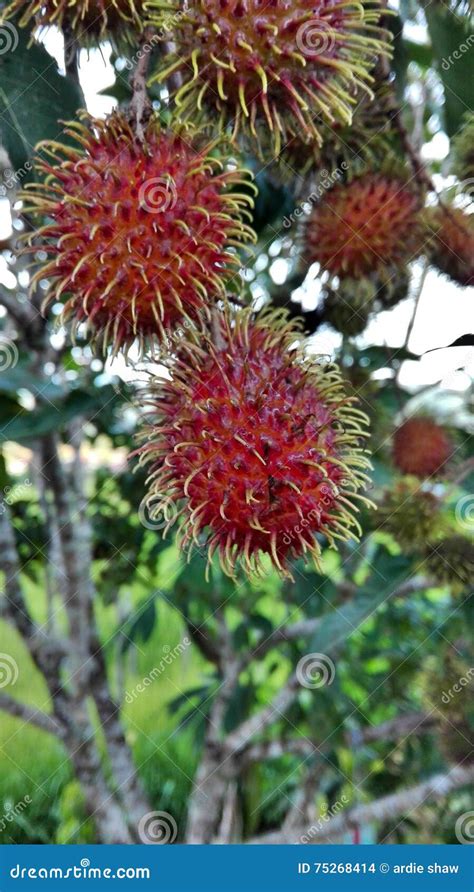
{"points": [[397, 805], [400, 726], [31, 715], [241, 736]]}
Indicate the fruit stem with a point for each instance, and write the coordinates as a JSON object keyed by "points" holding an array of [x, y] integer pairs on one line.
{"points": [[140, 105]]}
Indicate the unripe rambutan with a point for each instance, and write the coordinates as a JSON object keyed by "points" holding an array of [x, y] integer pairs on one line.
{"points": [[393, 287], [347, 307], [89, 20], [410, 514], [361, 226], [421, 447], [447, 686], [272, 67], [139, 232], [256, 443], [451, 562], [451, 243]]}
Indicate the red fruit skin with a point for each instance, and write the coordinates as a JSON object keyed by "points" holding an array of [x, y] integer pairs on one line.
{"points": [[139, 231], [365, 225], [249, 440], [421, 447], [452, 244]]}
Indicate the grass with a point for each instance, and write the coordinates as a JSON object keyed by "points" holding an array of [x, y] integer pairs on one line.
{"points": [[34, 768]]}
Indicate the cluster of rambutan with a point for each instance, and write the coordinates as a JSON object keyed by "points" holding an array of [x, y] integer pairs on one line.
{"points": [[258, 446], [414, 511]]}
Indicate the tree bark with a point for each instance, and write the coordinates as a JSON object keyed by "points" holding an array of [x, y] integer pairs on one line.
{"points": [[393, 807]]}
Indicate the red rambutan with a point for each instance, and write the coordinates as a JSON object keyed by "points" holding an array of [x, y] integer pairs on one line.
{"points": [[87, 19], [361, 226], [139, 232], [257, 445], [272, 67], [451, 246], [421, 447]]}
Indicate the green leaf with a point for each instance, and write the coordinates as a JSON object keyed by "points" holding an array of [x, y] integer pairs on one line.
{"points": [[140, 627], [25, 426], [451, 38], [34, 97], [338, 625]]}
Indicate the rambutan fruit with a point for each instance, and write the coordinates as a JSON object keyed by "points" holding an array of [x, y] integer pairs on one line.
{"points": [[421, 447], [88, 20], [451, 243], [410, 514], [256, 443], [361, 226], [450, 562], [142, 233], [272, 68], [347, 307]]}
